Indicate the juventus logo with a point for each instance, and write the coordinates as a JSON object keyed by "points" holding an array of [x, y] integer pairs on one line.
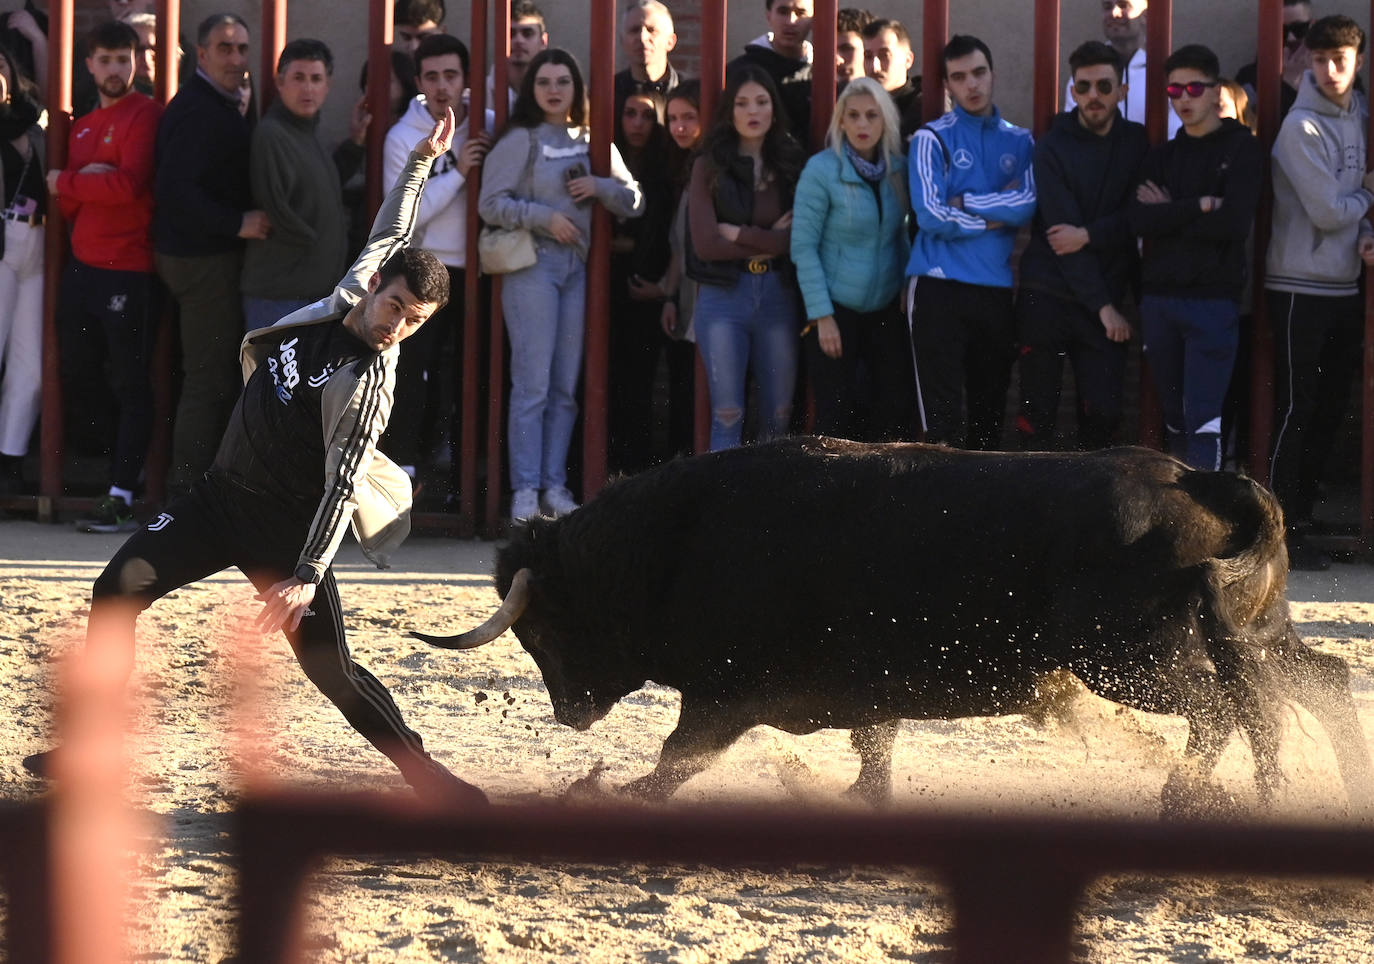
{"points": [[162, 521]]}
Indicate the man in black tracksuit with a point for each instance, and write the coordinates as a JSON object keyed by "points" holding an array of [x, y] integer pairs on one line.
{"points": [[1081, 261], [783, 52], [298, 464], [1195, 206]]}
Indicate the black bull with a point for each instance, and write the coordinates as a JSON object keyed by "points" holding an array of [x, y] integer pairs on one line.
{"points": [[815, 583]]}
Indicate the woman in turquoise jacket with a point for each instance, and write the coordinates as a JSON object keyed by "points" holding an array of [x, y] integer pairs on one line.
{"points": [[849, 243]]}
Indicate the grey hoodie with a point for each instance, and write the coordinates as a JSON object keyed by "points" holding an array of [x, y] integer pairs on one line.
{"points": [[1319, 197], [507, 201]]}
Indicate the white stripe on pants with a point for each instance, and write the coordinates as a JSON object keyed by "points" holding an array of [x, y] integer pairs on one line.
{"points": [[21, 335]]}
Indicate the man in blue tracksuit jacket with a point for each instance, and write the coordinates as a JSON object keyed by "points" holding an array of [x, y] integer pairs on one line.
{"points": [[972, 187]]}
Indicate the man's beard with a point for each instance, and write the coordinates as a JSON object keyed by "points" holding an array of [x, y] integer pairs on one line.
{"points": [[114, 87]]}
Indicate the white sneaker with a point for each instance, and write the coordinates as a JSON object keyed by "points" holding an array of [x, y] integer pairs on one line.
{"points": [[558, 502], [524, 505]]}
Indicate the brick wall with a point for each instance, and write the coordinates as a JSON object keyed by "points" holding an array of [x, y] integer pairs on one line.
{"points": [[687, 22]]}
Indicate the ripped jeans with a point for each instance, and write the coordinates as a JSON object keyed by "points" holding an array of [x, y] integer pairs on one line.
{"points": [[750, 326]]}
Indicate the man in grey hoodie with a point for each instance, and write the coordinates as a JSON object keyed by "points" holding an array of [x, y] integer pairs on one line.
{"points": [[1321, 235]]}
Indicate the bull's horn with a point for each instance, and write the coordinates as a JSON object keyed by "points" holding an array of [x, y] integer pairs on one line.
{"points": [[514, 604]]}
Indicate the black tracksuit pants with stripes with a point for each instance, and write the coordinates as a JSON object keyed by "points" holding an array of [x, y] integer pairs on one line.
{"points": [[1317, 354], [219, 524]]}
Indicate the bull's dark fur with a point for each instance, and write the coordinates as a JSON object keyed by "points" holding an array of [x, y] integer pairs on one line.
{"points": [[819, 583]]}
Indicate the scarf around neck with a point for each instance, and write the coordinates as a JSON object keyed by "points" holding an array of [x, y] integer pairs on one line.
{"points": [[870, 171]]}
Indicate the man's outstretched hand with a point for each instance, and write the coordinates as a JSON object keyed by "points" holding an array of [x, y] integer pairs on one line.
{"points": [[440, 139], [284, 605]]}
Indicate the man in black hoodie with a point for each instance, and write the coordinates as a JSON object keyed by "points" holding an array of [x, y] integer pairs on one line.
{"points": [[784, 52], [1081, 261], [1195, 205]]}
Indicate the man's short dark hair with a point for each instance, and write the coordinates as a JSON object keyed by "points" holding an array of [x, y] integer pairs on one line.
{"points": [[208, 25], [111, 35], [1095, 53], [961, 45], [413, 13], [425, 275], [1334, 31], [304, 48], [440, 45], [852, 20], [874, 29], [526, 10], [1194, 57]]}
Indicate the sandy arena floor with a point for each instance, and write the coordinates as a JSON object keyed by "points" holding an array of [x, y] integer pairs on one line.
{"points": [[486, 715]]}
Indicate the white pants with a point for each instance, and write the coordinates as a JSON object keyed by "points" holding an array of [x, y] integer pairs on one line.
{"points": [[21, 335]]}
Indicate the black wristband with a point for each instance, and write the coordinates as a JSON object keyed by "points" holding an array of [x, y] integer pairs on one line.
{"points": [[307, 574]]}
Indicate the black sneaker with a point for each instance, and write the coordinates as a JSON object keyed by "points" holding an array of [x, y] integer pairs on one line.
{"points": [[40, 764], [112, 514], [435, 784]]}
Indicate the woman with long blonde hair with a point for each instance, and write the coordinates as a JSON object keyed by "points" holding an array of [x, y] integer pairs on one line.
{"points": [[850, 246]]}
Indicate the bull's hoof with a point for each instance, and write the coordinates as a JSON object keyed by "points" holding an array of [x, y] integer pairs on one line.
{"points": [[1193, 798], [876, 793]]}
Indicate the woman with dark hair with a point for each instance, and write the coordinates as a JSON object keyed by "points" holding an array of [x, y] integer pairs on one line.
{"points": [[639, 257], [740, 221], [21, 269], [537, 177]]}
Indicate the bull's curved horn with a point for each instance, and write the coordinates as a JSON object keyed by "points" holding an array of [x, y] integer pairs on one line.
{"points": [[514, 604]]}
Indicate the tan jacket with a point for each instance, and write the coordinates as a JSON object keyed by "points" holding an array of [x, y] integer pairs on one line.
{"points": [[375, 498]]}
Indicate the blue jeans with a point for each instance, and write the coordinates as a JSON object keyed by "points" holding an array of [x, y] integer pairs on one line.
{"points": [[1190, 344], [750, 326], [545, 308], [262, 312]]}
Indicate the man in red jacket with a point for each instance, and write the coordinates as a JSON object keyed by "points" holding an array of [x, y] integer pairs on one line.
{"points": [[105, 192]]}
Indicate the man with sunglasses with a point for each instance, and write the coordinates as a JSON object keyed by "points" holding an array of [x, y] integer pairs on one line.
{"points": [[1081, 260], [1195, 203], [1123, 28], [1297, 19], [528, 36], [1321, 233]]}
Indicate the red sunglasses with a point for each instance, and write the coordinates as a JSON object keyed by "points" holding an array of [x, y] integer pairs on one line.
{"points": [[1193, 88]]}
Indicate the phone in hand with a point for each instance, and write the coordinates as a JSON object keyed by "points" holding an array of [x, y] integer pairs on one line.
{"points": [[572, 173]]}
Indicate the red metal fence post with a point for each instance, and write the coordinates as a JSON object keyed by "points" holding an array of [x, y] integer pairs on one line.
{"points": [[823, 72], [59, 97], [497, 362], [1261, 374], [1158, 39], [934, 36], [595, 380], [713, 59], [1367, 404], [272, 42], [378, 96], [1045, 94], [468, 375], [168, 44]]}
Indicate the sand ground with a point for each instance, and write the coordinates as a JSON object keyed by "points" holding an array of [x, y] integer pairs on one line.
{"points": [[486, 715]]}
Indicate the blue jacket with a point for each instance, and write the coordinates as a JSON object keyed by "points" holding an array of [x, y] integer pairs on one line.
{"points": [[845, 249], [987, 161]]}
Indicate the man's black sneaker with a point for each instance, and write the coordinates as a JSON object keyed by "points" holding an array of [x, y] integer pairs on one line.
{"points": [[112, 514], [40, 764]]}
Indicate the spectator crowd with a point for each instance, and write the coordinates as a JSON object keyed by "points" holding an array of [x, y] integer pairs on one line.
{"points": [[883, 285]]}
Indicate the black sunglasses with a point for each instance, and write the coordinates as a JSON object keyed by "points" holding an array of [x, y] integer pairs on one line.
{"points": [[1104, 86], [1194, 88], [1297, 29]]}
